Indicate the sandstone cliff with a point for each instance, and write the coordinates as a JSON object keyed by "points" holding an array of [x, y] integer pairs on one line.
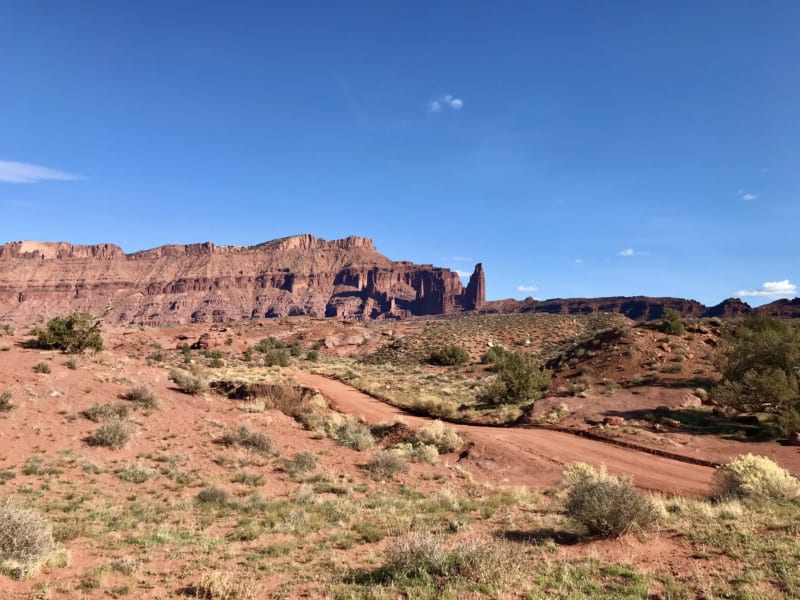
{"points": [[299, 275]]}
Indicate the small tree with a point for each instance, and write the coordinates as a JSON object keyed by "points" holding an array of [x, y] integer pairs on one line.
{"points": [[72, 333], [671, 322], [760, 364], [519, 379]]}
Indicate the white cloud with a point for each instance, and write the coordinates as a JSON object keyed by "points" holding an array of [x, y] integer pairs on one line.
{"points": [[446, 101], [578, 261], [459, 258], [463, 273], [771, 289], [527, 288], [17, 172], [747, 196]]}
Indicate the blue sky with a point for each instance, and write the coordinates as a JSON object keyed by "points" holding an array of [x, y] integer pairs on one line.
{"points": [[575, 148]]}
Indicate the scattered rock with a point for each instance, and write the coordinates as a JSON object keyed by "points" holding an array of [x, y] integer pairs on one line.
{"points": [[614, 421]]}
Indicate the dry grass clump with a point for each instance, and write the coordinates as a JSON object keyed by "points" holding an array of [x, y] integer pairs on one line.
{"points": [[104, 412], [756, 477], [349, 432], [5, 402], [26, 541], [435, 433], [188, 382], [246, 437], [605, 505], [419, 453], [114, 433], [212, 494], [42, 367], [386, 464], [478, 560], [142, 397], [300, 464], [218, 585]]}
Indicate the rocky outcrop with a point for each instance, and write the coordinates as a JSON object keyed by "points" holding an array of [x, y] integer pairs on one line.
{"points": [[298, 275]]}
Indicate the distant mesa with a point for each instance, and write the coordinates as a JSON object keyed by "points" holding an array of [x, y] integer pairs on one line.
{"points": [[297, 275]]}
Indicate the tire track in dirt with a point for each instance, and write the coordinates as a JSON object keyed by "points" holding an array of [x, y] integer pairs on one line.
{"points": [[526, 456]]}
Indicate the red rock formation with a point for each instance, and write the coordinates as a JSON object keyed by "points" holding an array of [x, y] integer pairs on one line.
{"points": [[299, 275]]}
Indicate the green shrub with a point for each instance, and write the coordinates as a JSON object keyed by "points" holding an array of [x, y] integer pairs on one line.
{"points": [[26, 541], [607, 506], [41, 367], [671, 322], [104, 412], [494, 355], [435, 433], [142, 397], [72, 333], [5, 402], [114, 434], [187, 382], [757, 477], [313, 355], [519, 379], [245, 437], [277, 358], [449, 356]]}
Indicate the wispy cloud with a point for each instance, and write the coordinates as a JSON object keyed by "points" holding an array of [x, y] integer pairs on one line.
{"points": [[459, 258], [579, 261], [463, 273], [747, 195], [18, 172], [631, 252], [443, 102], [771, 289], [527, 288]]}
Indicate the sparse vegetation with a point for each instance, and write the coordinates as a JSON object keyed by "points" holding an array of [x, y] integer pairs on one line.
{"points": [[218, 585], [605, 505], [5, 401], [349, 432], [437, 434], [212, 494], [104, 412], [73, 333], [300, 464], [672, 322], [756, 477], [188, 382], [386, 464]]}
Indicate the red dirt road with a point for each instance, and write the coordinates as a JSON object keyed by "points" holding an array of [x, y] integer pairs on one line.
{"points": [[521, 456]]}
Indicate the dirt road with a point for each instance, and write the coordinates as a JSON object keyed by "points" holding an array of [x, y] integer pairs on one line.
{"points": [[528, 456]]}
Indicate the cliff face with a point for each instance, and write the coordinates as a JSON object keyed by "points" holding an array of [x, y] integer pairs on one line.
{"points": [[299, 275]]}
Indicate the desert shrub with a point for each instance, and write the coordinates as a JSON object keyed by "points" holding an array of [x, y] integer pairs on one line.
{"points": [[435, 433], [252, 479], [142, 397], [760, 364], [295, 349], [671, 322], [313, 355], [245, 437], [103, 412], [136, 474], [494, 355], [449, 356], [5, 402], [72, 333], [72, 364], [386, 464], [277, 358], [607, 506], [41, 367], [219, 585], [6, 329], [519, 379], [757, 477], [114, 433], [419, 453], [300, 464], [188, 382], [349, 433], [26, 541], [212, 494]]}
